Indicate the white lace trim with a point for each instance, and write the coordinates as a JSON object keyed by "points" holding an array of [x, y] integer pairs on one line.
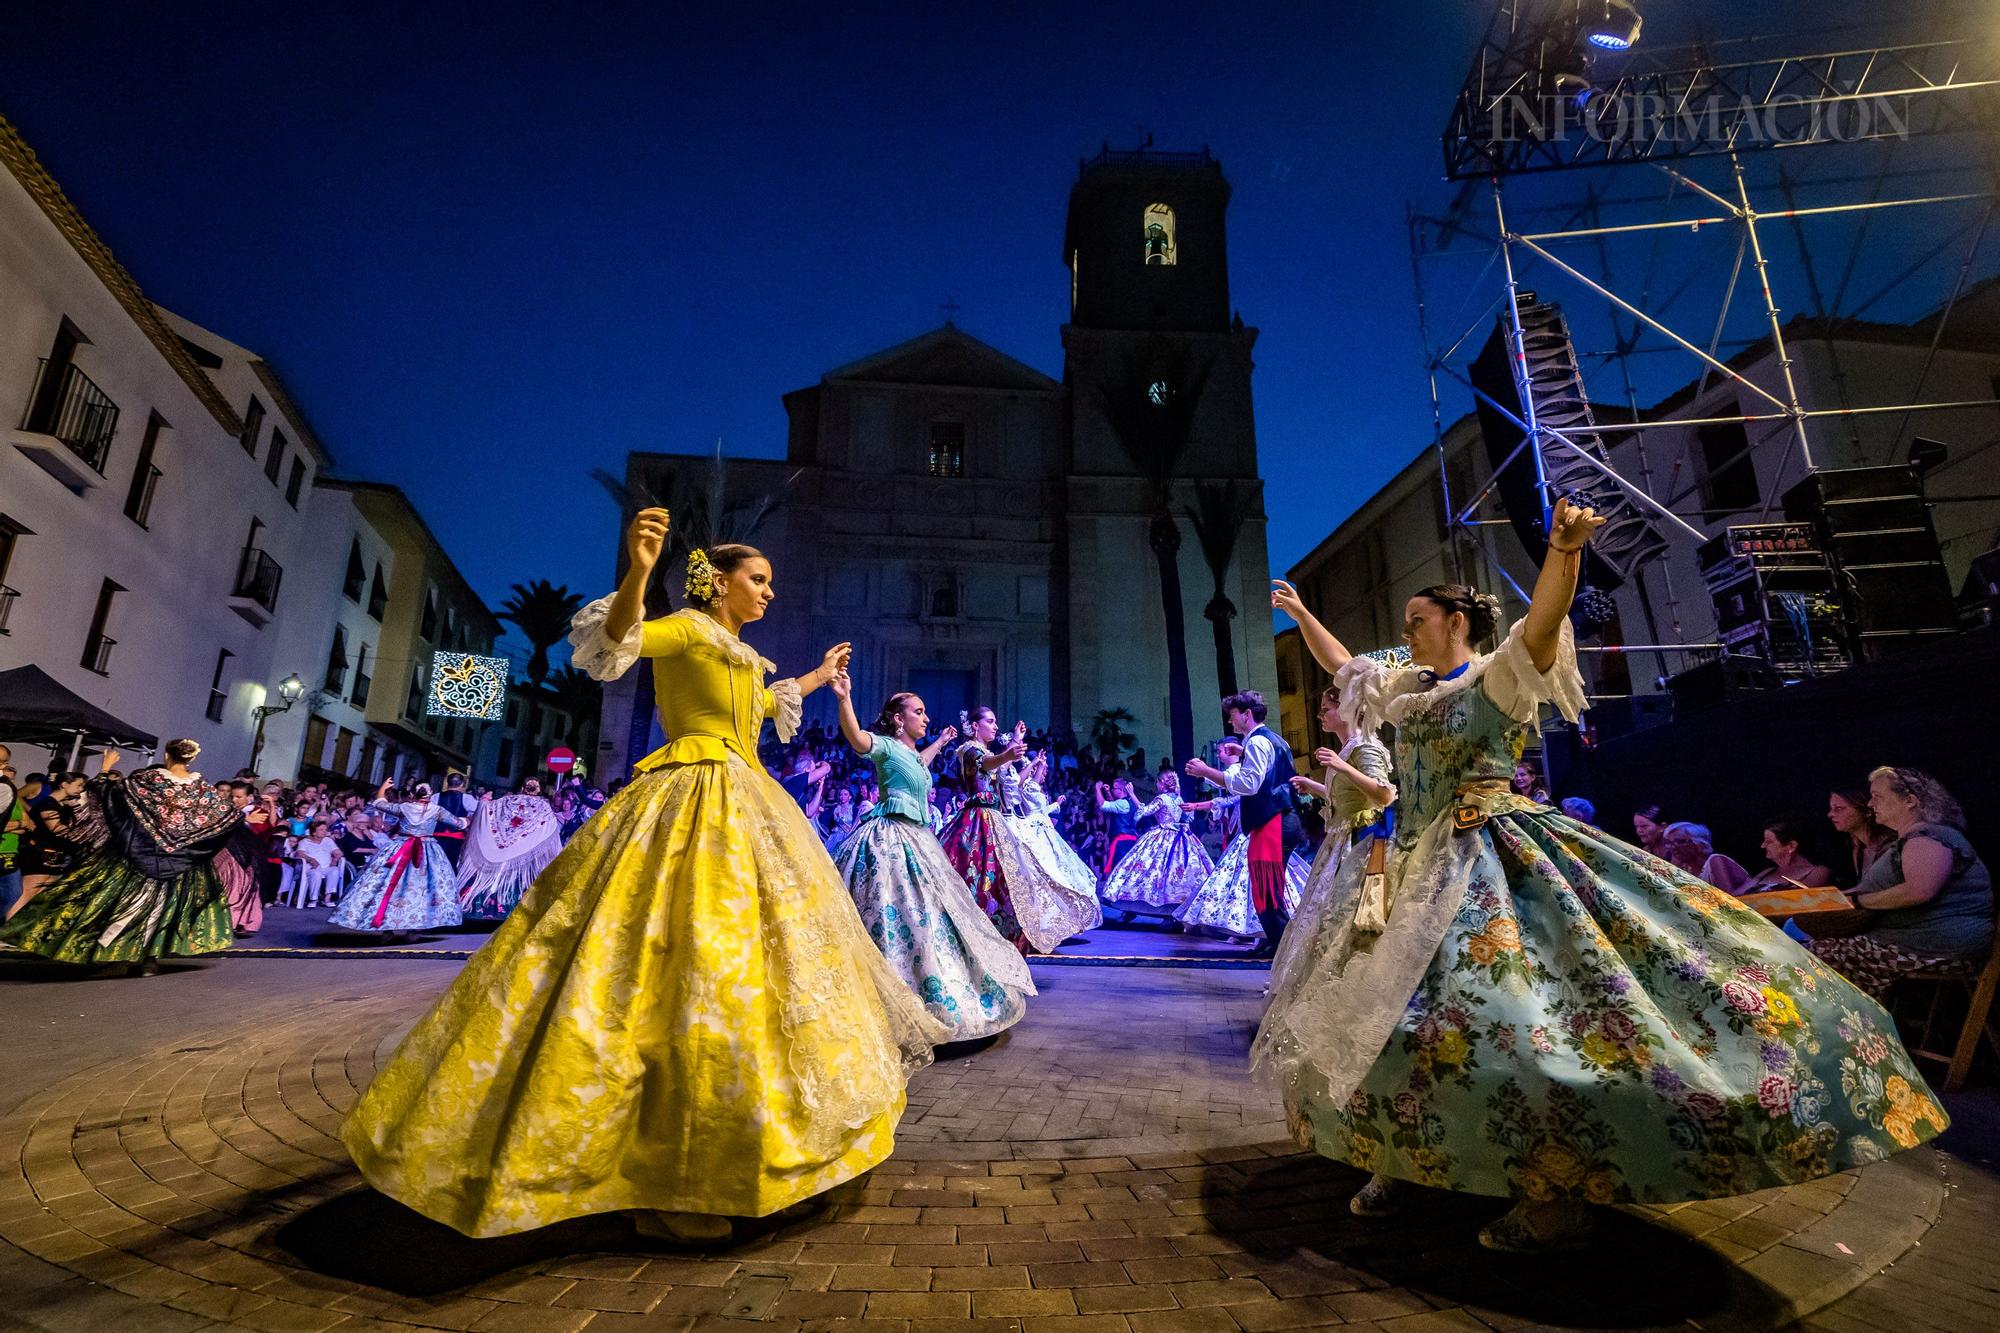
{"points": [[791, 707], [1336, 997], [1373, 695], [596, 653]]}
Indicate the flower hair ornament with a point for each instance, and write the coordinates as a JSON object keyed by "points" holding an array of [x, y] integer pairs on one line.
{"points": [[700, 585]]}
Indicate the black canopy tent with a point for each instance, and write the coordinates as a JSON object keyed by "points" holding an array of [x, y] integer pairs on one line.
{"points": [[37, 709]]}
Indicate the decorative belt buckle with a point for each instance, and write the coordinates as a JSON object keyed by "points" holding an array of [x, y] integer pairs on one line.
{"points": [[1466, 816]]}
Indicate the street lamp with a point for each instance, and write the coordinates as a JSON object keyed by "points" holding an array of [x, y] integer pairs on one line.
{"points": [[289, 689]]}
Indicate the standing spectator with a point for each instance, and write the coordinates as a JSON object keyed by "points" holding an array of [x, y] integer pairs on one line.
{"points": [[1929, 898], [13, 823], [1847, 809], [57, 837]]}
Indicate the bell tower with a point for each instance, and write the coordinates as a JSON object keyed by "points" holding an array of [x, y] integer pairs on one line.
{"points": [[1157, 368], [1145, 242]]}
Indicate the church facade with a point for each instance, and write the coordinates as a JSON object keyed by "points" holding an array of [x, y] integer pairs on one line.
{"points": [[986, 535]]}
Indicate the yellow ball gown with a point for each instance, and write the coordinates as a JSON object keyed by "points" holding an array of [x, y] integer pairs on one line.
{"points": [[684, 1013]]}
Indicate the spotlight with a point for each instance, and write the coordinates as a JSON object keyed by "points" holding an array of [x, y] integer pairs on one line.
{"points": [[1616, 29]]}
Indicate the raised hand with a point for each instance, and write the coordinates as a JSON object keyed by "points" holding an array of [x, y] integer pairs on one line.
{"points": [[1574, 525], [835, 660], [647, 536], [1284, 597], [842, 685], [1325, 757], [948, 735]]}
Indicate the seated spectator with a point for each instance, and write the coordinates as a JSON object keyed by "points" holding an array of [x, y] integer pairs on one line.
{"points": [[1528, 783], [362, 839], [1789, 867], [320, 860], [1648, 829], [1692, 848], [1582, 811], [1928, 900], [1847, 810]]}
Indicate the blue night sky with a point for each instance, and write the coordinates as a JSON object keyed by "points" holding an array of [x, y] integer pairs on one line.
{"points": [[517, 242]]}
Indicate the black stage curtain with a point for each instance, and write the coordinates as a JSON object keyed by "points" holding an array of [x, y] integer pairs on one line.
{"points": [[1766, 754]]}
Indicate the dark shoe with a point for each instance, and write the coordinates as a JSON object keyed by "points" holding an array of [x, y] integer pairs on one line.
{"points": [[1540, 1228], [1378, 1198]]}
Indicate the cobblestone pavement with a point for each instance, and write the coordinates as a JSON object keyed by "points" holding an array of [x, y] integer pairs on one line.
{"points": [[1108, 1167]]}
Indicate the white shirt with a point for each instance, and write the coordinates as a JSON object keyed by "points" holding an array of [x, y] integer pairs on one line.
{"points": [[1245, 776]]}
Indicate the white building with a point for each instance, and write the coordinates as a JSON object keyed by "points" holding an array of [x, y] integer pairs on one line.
{"points": [[151, 483]]}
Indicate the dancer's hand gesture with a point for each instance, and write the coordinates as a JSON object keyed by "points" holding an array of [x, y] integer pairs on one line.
{"points": [[1016, 749], [1326, 757], [835, 661], [948, 735], [842, 685], [647, 535], [1574, 526], [1284, 597]]}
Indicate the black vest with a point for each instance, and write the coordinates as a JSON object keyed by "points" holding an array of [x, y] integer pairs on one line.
{"points": [[1274, 798], [1122, 825]]}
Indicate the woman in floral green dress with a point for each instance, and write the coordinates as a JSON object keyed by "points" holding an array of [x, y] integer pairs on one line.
{"points": [[1550, 1014]]}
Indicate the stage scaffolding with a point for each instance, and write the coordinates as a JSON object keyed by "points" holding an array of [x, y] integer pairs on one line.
{"points": [[1538, 105]]}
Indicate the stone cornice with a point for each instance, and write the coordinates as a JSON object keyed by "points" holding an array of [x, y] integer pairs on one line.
{"points": [[49, 196]]}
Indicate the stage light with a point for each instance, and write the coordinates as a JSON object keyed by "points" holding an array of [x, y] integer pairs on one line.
{"points": [[1616, 29]]}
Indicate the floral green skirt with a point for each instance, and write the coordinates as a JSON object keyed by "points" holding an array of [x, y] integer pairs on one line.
{"points": [[1596, 1025], [105, 911]]}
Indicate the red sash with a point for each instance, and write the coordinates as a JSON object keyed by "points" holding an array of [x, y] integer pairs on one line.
{"points": [[411, 853]]}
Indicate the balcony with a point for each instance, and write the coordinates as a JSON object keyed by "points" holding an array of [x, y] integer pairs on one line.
{"points": [[7, 596], [67, 428], [255, 597], [97, 657]]}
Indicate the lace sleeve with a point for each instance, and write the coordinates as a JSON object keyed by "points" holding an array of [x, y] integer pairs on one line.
{"points": [[788, 708], [1363, 686], [595, 652], [1518, 690]]}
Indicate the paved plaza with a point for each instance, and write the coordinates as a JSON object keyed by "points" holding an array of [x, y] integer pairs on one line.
{"points": [[168, 1161]]}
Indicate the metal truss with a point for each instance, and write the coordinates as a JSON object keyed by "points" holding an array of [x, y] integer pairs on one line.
{"points": [[1940, 86], [1538, 98]]}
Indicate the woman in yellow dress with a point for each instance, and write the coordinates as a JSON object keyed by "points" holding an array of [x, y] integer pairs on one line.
{"points": [[685, 1016]]}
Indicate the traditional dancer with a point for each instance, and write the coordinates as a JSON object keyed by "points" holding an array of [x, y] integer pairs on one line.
{"points": [[512, 840], [1032, 906], [1036, 823], [1224, 902], [148, 889], [1356, 789], [241, 860], [413, 888], [684, 1016], [1262, 776], [917, 909], [1550, 1014], [456, 800], [1166, 865], [1120, 809]]}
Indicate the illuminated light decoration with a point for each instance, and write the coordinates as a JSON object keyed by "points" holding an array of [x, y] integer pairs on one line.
{"points": [[1617, 30], [466, 685]]}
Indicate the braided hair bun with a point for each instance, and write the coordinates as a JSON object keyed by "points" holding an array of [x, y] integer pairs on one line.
{"points": [[1480, 609]]}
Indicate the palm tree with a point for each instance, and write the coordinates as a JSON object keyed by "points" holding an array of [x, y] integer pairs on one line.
{"points": [[699, 499], [1108, 734], [1219, 513], [541, 611], [1151, 407]]}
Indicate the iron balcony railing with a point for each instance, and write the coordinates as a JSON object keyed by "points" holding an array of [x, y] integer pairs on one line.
{"points": [[98, 658], [75, 411], [7, 596], [258, 577]]}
